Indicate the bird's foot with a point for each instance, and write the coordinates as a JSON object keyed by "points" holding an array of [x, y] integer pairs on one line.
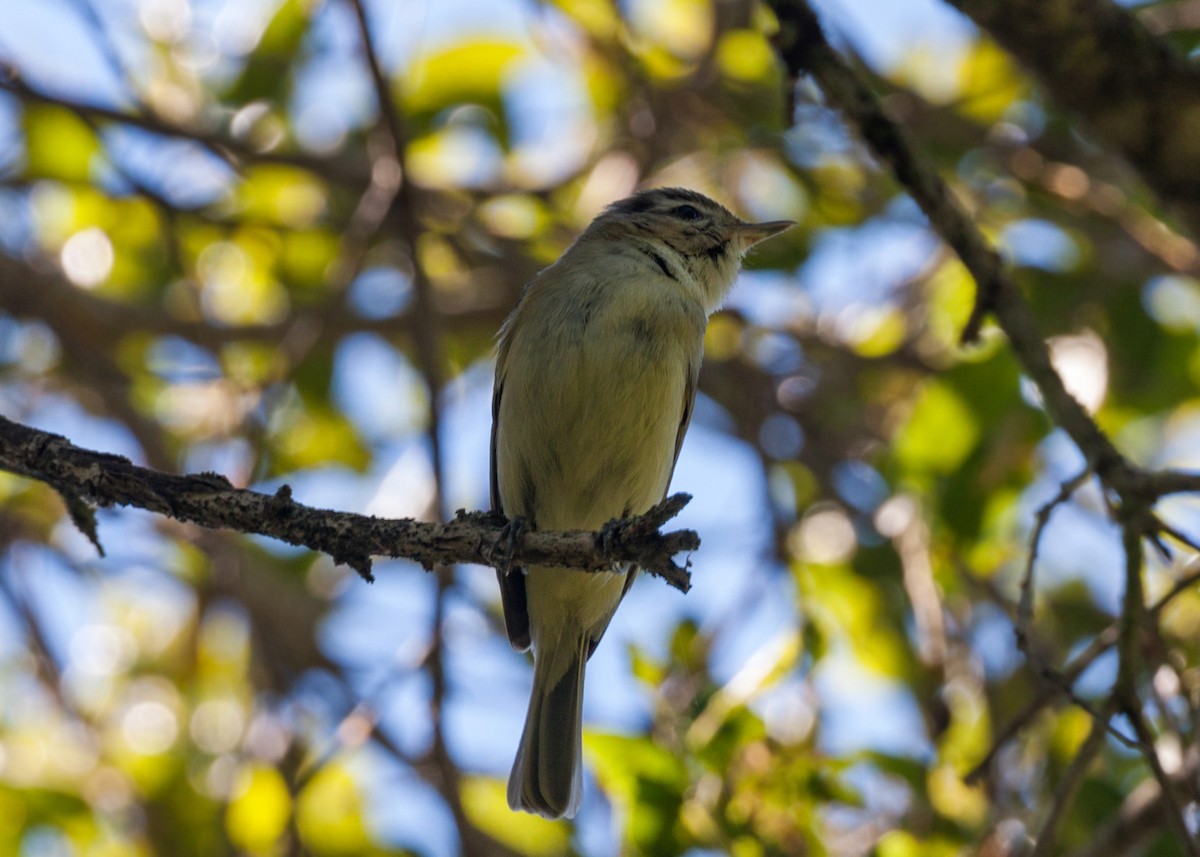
{"points": [[611, 537], [507, 540]]}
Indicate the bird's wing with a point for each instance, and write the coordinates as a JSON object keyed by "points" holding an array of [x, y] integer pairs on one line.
{"points": [[685, 419], [512, 584]]}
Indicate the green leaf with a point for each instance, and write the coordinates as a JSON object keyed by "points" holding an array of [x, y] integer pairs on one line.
{"points": [[267, 73], [281, 194], [940, 432], [648, 781], [469, 72], [317, 437], [58, 144]]}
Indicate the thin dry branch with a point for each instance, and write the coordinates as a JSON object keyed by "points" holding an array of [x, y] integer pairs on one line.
{"points": [[210, 500], [401, 207], [341, 170], [1024, 623]]}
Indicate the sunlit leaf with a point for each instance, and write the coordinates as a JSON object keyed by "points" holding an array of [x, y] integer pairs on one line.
{"points": [[598, 17], [954, 799], [319, 437], [306, 258], [267, 72], [991, 82], [848, 608], [744, 55], [58, 144], [279, 194], [940, 432], [329, 813], [258, 816], [901, 843], [469, 72], [486, 805], [646, 780], [684, 28]]}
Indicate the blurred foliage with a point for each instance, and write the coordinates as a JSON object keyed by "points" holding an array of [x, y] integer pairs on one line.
{"points": [[209, 273]]}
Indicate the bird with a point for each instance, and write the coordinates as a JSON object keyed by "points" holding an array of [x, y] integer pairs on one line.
{"points": [[595, 382]]}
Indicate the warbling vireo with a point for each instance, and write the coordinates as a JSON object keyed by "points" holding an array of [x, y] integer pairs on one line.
{"points": [[595, 382]]}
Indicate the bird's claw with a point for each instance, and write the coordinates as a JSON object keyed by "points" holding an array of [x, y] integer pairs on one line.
{"points": [[509, 535], [610, 537]]}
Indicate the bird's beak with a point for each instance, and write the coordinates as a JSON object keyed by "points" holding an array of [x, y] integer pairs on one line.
{"points": [[749, 234]]}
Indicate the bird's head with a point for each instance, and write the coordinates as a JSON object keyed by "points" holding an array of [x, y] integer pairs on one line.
{"points": [[696, 236]]}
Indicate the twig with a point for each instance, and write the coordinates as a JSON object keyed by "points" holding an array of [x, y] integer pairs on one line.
{"points": [[1133, 608], [1139, 818], [1068, 788], [804, 48], [1174, 810], [1024, 620], [1172, 533], [1100, 644], [402, 204]]}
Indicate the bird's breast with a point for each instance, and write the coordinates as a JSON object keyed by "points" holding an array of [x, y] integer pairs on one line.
{"points": [[591, 411]]}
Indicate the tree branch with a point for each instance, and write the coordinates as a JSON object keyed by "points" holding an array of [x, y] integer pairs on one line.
{"points": [[803, 46], [1135, 91], [805, 50], [210, 500]]}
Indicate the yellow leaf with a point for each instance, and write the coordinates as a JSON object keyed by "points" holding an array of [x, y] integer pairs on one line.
{"points": [[682, 27], [58, 144], [486, 806], [990, 83], [954, 799], [846, 606], [882, 334], [901, 843], [745, 55], [471, 72], [282, 194], [951, 296], [329, 813], [306, 257], [257, 817], [1071, 729], [598, 17], [320, 436]]}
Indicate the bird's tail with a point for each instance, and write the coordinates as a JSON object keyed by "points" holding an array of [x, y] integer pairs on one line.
{"points": [[547, 776]]}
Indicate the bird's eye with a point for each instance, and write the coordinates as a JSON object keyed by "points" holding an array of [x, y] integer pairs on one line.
{"points": [[686, 212]]}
